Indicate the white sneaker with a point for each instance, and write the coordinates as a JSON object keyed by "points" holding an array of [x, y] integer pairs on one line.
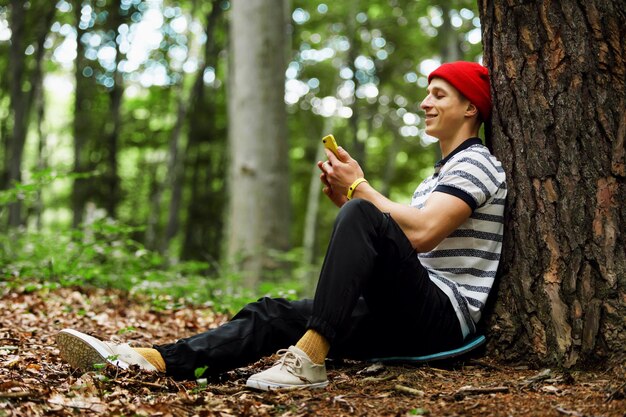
{"points": [[293, 370], [83, 352]]}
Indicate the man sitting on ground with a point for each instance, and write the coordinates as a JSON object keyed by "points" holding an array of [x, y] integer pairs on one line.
{"points": [[397, 280]]}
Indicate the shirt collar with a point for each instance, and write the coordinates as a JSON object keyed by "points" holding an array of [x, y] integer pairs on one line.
{"points": [[466, 144]]}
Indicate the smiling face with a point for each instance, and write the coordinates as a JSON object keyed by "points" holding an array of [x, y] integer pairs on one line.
{"points": [[447, 111]]}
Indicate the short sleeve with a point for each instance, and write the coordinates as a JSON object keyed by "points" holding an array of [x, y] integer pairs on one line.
{"points": [[474, 177]]}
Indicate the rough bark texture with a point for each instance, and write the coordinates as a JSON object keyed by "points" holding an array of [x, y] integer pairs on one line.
{"points": [[558, 126], [259, 189]]}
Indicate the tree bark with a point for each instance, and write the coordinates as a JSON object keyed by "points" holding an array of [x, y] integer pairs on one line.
{"points": [[205, 156], [116, 94], [449, 42], [22, 97], [176, 171], [80, 124], [18, 107], [259, 215], [558, 73]]}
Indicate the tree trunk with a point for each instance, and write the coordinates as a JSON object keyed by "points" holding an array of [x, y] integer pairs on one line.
{"points": [[116, 94], [309, 235], [449, 42], [42, 153], [559, 122], [259, 183], [176, 171], [18, 107], [80, 124], [22, 98], [357, 148], [392, 154], [205, 157]]}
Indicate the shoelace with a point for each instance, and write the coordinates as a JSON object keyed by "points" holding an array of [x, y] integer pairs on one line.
{"points": [[292, 362], [289, 359]]}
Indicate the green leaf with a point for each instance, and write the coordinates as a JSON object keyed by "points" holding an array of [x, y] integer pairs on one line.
{"points": [[198, 372]]}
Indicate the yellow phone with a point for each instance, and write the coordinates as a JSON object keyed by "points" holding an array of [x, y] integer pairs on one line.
{"points": [[331, 144]]}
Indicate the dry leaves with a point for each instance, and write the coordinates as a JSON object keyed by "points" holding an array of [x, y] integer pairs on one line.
{"points": [[34, 382]]}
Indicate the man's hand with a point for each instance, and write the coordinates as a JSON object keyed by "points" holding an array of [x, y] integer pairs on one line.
{"points": [[338, 174], [336, 197], [341, 171]]}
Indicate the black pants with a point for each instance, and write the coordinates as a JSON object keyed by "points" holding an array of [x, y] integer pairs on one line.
{"points": [[373, 299]]}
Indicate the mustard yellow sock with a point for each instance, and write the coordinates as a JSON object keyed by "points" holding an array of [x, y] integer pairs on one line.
{"points": [[314, 345], [153, 356]]}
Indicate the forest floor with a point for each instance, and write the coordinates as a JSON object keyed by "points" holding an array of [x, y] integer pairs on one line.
{"points": [[34, 381]]}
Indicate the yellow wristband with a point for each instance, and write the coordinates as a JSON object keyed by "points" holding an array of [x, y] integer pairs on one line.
{"points": [[353, 187]]}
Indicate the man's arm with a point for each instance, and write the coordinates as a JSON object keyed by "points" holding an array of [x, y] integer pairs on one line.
{"points": [[425, 228]]}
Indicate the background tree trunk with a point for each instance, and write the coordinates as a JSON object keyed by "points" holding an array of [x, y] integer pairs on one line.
{"points": [[80, 124], [19, 106], [449, 42], [259, 214], [559, 121], [205, 156], [116, 94], [25, 84]]}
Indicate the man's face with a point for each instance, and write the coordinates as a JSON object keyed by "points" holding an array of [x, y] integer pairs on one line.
{"points": [[445, 109]]}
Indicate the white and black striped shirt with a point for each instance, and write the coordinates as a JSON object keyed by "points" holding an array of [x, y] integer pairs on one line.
{"points": [[464, 264]]}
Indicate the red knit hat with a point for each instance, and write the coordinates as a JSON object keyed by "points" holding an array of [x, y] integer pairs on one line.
{"points": [[471, 79]]}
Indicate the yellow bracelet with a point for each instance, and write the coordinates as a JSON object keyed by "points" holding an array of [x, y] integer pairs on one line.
{"points": [[353, 187]]}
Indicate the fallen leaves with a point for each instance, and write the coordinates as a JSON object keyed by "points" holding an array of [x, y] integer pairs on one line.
{"points": [[35, 382]]}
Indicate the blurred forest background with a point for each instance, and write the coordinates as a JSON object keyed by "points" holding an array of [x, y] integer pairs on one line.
{"points": [[122, 124]]}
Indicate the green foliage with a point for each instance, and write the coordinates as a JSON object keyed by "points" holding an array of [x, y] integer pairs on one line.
{"points": [[198, 372], [104, 254], [337, 50]]}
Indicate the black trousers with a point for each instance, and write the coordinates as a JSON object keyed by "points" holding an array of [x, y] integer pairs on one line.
{"points": [[373, 299]]}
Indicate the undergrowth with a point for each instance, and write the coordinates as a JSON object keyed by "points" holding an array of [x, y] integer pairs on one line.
{"points": [[103, 254]]}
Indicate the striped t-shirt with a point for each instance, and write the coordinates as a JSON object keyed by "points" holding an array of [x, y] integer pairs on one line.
{"points": [[464, 264]]}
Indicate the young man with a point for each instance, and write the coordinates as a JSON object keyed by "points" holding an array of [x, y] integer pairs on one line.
{"points": [[397, 280]]}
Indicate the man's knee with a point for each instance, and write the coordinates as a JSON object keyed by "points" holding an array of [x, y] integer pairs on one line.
{"points": [[359, 210], [359, 206]]}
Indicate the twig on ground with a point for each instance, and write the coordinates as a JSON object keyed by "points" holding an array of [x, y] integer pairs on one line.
{"points": [[408, 390], [342, 401], [614, 393], [480, 390], [545, 374], [378, 378], [568, 412], [483, 364], [19, 394], [144, 383]]}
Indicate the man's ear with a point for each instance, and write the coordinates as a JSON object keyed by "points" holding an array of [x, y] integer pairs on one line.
{"points": [[471, 110]]}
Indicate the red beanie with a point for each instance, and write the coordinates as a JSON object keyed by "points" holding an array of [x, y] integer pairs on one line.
{"points": [[472, 80]]}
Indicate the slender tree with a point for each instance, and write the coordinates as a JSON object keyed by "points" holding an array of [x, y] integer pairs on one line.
{"points": [[25, 83], [203, 226], [259, 215], [80, 125], [558, 82], [112, 138], [206, 152]]}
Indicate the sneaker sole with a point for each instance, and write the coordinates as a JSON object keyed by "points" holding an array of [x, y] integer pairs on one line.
{"points": [[268, 386], [83, 351]]}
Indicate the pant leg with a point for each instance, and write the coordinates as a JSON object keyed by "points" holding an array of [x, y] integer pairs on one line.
{"points": [[373, 299], [370, 256], [259, 329]]}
